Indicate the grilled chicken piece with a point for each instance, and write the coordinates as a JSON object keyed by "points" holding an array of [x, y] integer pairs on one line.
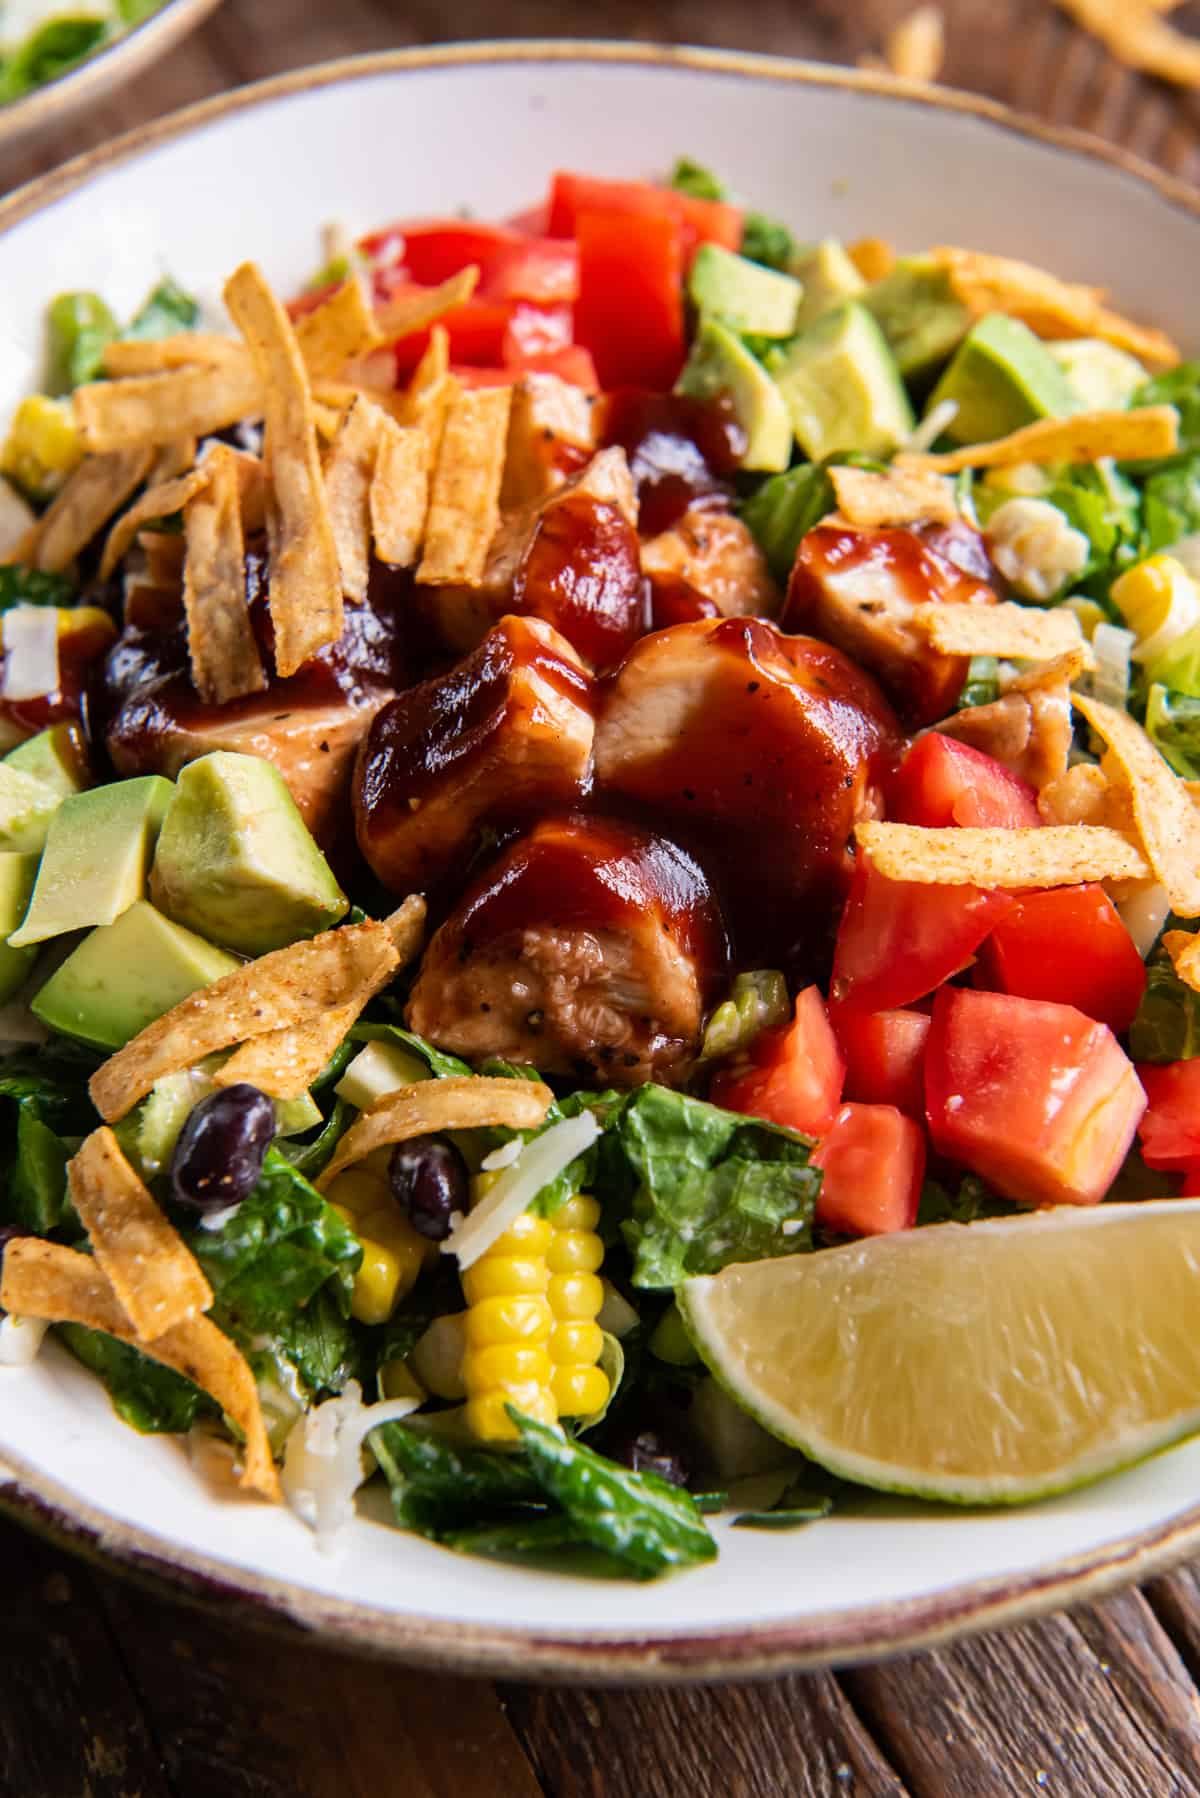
{"points": [[503, 736], [591, 948], [462, 615], [1030, 732], [859, 588], [765, 750], [715, 555], [551, 435]]}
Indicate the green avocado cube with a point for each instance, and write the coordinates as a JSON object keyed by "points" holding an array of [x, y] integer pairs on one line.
{"points": [[97, 853], [26, 807], [720, 363], [17, 875], [742, 294], [1001, 377], [827, 275], [124, 975], [235, 860], [919, 313], [57, 756], [841, 386]]}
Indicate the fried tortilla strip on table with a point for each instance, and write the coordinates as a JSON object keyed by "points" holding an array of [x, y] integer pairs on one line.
{"points": [[465, 1103], [1144, 434], [161, 501], [222, 652], [97, 489], [287, 986], [1037, 856], [158, 408], [464, 504], [349, 473], [893, 496], [49, 1281], [1166, 818], [149, 1266], [284, 1063], [1006, 629], [305, 583]]}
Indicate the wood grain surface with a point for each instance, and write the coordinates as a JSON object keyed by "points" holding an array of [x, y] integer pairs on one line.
{"points": [[106, 1692]]}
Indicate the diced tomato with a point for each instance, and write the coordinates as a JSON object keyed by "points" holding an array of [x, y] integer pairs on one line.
{"points": [[573, 364], [1170, 1130], [885, 1057], [899, 939], [793, 1074], [484, 377], [1039, 1100], [700, 221], [873, 1163], [630, 308], [1191, 1181], [434, 249], [476, 330], [535, 331], [1068, 945], [544, 269], [942, 782]]}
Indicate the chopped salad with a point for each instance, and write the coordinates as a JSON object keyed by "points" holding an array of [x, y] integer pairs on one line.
{"points": [[43, 39], [567, 758]]}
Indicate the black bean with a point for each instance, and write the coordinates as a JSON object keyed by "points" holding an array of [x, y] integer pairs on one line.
{"points": [[221, 1148], [429, 1183]]}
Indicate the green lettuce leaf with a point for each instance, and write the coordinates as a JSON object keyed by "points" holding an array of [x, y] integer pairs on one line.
{"points": [[49, 51], [1173, 725], [688, 177], [439, 1485], [165, 311], [21, 586], [149, 1397], [1178, 387], [1167, 1025], [784, 509], [1171, 504], [712, 1187]]}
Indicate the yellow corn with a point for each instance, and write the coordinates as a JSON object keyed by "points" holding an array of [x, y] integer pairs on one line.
{"points": [[1158, 601], [508, 1328], [42, 447], [393, 1253], [576, 1295]]}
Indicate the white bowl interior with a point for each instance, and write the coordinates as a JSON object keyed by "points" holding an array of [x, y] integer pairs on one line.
{"points": [[259, 183]]}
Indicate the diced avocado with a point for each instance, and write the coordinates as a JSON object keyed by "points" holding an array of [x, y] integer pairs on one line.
{"points": [[42, 446], [97, 853], [1102, 377], [377, 1070], [17, 875], [827, 275], [235, 860], [56, 756], [919, 313], [720, 363], [841, 386], [26, 807], [124, 975], [728, 1441], [742, 294], [1001, 377]]}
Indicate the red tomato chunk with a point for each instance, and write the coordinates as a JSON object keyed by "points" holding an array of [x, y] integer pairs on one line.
{"points": [[885, 1057], [872, 1163], [899, 939], [1170, 1130], [793, 1075], [1067, 945], [1039, 1100], [942, 782]]}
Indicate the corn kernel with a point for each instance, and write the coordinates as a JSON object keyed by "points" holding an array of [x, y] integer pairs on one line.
{"points": [[522, 1318], [394, 1233], [575, 1296], [1159, 601], [576, 1342], [496, 1276], [505, 1364], [377, 1284], [527, 1236], [579, 1391], [574, 1252], [358, 1191], [579, 1213], [42, 446], [488, 1419]]}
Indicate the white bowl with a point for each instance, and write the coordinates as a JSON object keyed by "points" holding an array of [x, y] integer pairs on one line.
{"points": [[257, 174]]}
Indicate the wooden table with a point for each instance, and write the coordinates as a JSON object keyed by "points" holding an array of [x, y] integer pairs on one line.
{"points": [[109, 1693]]}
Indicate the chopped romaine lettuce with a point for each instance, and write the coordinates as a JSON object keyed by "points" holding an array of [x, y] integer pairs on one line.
{"points": [[165, 311], [688, 177], [440, 1485], [1171, 503], [49, 51], [21, 586], [1167, 1025], [147, 1396], [982, 684], [1173, 724], [1178, 387], [784, 509]]}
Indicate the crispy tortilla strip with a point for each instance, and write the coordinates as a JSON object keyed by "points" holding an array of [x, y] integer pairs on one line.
{"points": [[1183, 946], [430, 1105], [349, 471], [222, 652], [430, 394], [1063, 668], [1143, 434], [1139, 38], [464, 504], [415, 312], [284, 1063], [172, 460], [1050, 307], [287, 986], [151, 1269], [399, 496], [335, 332], [873, 257], [1006, 629], [893, 496], [156, 502], [50, 1281], [98, 488], [154, 409], [1167, 821], [156, 356], [306, 588], [916, 48], [1037, 856], [1080, 796]]}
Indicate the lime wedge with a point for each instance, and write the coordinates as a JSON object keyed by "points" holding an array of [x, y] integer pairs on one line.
{"points": [[988, 1363]]}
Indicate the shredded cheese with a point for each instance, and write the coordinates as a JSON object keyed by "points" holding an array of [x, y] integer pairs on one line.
{"points": [[541, 1161], [323, 1460], [30, 652]]}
